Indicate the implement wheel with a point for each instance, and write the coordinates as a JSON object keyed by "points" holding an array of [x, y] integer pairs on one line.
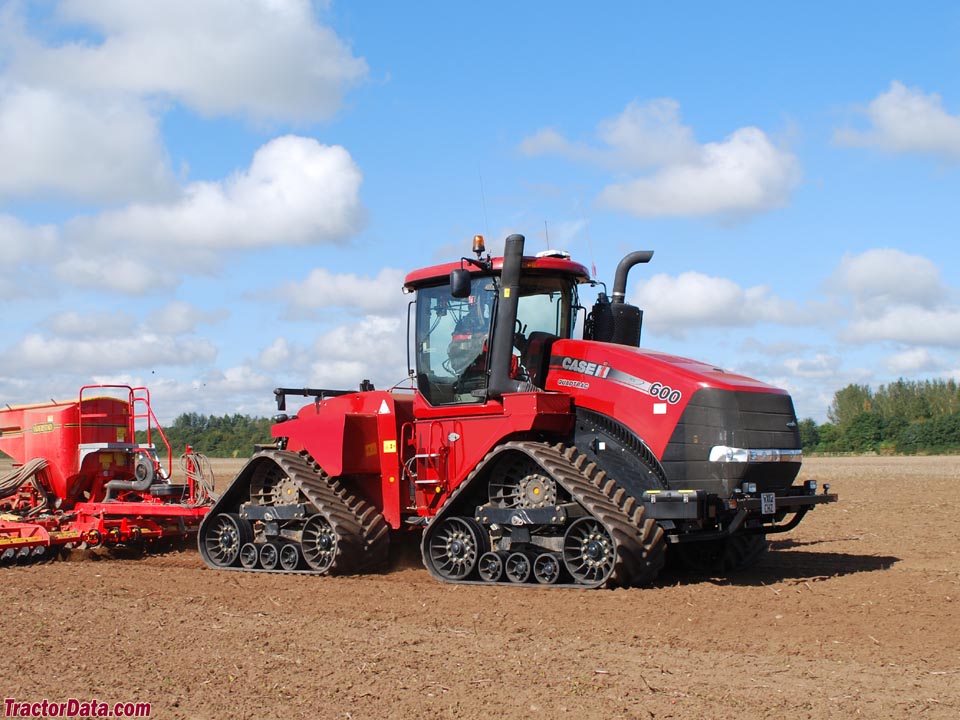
{"points": [[224, 538]]}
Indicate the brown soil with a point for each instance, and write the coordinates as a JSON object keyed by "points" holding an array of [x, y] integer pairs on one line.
{"points": [[855, 613]]}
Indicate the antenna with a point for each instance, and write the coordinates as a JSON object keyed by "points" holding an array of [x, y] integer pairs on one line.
{"points": [[546, 233], [483, 200], [586, 229]]}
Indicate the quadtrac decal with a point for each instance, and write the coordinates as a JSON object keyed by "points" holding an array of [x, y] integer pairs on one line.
{"points": [[655, 389]]}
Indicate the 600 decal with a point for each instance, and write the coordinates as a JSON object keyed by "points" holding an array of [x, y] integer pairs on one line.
{"points": [[665, 392]]}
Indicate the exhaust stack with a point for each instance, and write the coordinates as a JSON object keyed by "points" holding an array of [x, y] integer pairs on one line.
{"points": [[623, 268], [614, 320], [506, 319]]}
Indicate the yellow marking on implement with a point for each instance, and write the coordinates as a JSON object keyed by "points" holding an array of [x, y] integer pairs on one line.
{"points": [[506, 292], [43, 427], [18, 540], [389, 446], [65, 535], [392, 479]]}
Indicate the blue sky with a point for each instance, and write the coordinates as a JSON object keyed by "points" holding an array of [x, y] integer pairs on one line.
{"points": [[218, 197]]}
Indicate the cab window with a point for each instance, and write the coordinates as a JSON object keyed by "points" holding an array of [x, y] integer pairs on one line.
{"points": [[452, 339]]}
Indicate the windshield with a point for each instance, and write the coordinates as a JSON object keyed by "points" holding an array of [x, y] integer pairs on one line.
{"points": [[452, 336]]}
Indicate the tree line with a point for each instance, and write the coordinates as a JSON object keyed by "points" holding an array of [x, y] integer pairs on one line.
{"points": [[904, 417], [226, 436]]}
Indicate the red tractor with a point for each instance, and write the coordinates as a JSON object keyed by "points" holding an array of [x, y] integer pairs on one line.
{"points": [[81, 478], [524, 454]]}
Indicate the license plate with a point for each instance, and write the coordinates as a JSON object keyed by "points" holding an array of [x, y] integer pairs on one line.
{"points": [[768, 503]]}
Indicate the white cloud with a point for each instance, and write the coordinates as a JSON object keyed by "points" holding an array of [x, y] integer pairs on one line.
{"points": [[379, 295], [20, 242], [914, 360], [772, 349], [821, 366], [373, 348], [896, 297], [277, 354], [910, 325], [650, 134], [673, 305], [178, 318], [295, 192], [81, 119], [548, 141], [240, 389], [643, 135], [881, 276], [907, 120], [87, 147], [269, 59], [113, 271], [36, 354], [98, 324], [745, 173]]}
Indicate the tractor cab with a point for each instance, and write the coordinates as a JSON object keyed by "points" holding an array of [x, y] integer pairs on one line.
{"points": [[457, 313]]}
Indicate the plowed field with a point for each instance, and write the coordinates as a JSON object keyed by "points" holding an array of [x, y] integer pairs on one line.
{"points": [[856, 613]]}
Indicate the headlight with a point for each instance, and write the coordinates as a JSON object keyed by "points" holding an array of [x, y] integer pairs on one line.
{"points": [[722, 453]]}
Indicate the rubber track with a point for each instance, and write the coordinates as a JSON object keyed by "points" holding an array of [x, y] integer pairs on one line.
{"points": [[363, 536], [639, 541]]}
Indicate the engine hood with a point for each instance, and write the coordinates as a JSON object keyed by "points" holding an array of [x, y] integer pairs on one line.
{"points": [[646, 390]]}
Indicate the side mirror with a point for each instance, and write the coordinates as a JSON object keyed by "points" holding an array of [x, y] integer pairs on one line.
{"points": [[460, 286]]}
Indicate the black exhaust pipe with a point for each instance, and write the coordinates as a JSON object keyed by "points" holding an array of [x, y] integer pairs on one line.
{"points": [[501, 351], [623, 268]]}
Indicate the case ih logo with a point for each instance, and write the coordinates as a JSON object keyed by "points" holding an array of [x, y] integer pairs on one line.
{"points": [[584, 367]]}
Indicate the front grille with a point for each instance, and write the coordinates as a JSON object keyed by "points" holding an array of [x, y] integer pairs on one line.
{"points": [[755, 420]]}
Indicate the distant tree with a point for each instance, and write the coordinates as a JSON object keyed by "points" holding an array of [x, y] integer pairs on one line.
{"points": [[830, 438], [864, 432], [226, 436], [848, 403], [809, 434]]}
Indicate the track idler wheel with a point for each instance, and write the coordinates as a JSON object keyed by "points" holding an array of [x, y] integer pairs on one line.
{"points": [[589, 553], [546, 569], [455, 548], [269, 556], [227, 534], [517, 567], [289, 556], [249, 555], [490, 567]]}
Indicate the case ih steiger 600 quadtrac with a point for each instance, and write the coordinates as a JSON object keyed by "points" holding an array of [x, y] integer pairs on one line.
{"points": [[526, 456], [80, 477]]}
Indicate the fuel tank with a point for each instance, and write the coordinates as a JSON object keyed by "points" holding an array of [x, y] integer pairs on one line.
{"points": [[710, 429]]}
